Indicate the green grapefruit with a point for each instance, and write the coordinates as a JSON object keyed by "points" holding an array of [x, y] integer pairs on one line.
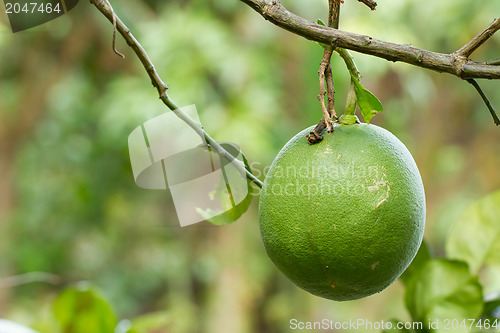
{"points": [[343, 218]]}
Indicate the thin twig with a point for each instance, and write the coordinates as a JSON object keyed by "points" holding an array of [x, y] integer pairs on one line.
{"points": [[330, 92], [370, 3], [479, 39], [333, 22], [486, 101], [326, 77], [439, 62], [17, 280], [494, 62], [114, 30], [161, 87], [325, 63]]}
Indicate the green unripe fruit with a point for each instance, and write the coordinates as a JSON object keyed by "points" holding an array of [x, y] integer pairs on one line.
{"points": [[343, 218]]}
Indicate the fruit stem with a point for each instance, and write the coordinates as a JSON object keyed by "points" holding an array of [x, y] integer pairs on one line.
{"points": [[351, 102], [349, 62], [350, 108]]}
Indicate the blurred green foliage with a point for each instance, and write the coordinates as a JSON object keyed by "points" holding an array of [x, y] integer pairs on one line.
{"points": [[68, 202], [475, 237], [443, 290], [83, 310]]}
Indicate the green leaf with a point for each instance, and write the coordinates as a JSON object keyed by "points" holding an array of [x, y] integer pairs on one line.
{"points": [[423, 255], [229, 211], [368, 103], [320, 22], [443, 289], [475, 237], [82, 310]]}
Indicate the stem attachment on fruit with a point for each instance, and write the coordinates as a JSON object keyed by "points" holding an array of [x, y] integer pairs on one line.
{"points": [[315, 136]]}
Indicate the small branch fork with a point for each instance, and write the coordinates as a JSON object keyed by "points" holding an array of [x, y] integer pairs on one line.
{"points": [[456, 63], [466, 51], [440, 62], [104, 7]]}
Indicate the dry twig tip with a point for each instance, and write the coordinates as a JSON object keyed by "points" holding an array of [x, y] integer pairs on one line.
{"points": [[114, 29]]}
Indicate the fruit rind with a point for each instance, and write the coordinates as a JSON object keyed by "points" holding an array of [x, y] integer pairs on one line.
{"points": [[343, 218]]}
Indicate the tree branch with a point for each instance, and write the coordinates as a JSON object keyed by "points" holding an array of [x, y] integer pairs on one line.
{"points": [[274, 12], [370, 3], [161, 87], [17, 280], [334, 13], [479, 39]]}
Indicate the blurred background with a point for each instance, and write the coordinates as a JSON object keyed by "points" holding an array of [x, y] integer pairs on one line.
{"points": [[69, 206]]}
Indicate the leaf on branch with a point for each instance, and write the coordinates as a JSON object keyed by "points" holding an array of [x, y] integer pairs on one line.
{"points": [[231, 210], [368, 103]]}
